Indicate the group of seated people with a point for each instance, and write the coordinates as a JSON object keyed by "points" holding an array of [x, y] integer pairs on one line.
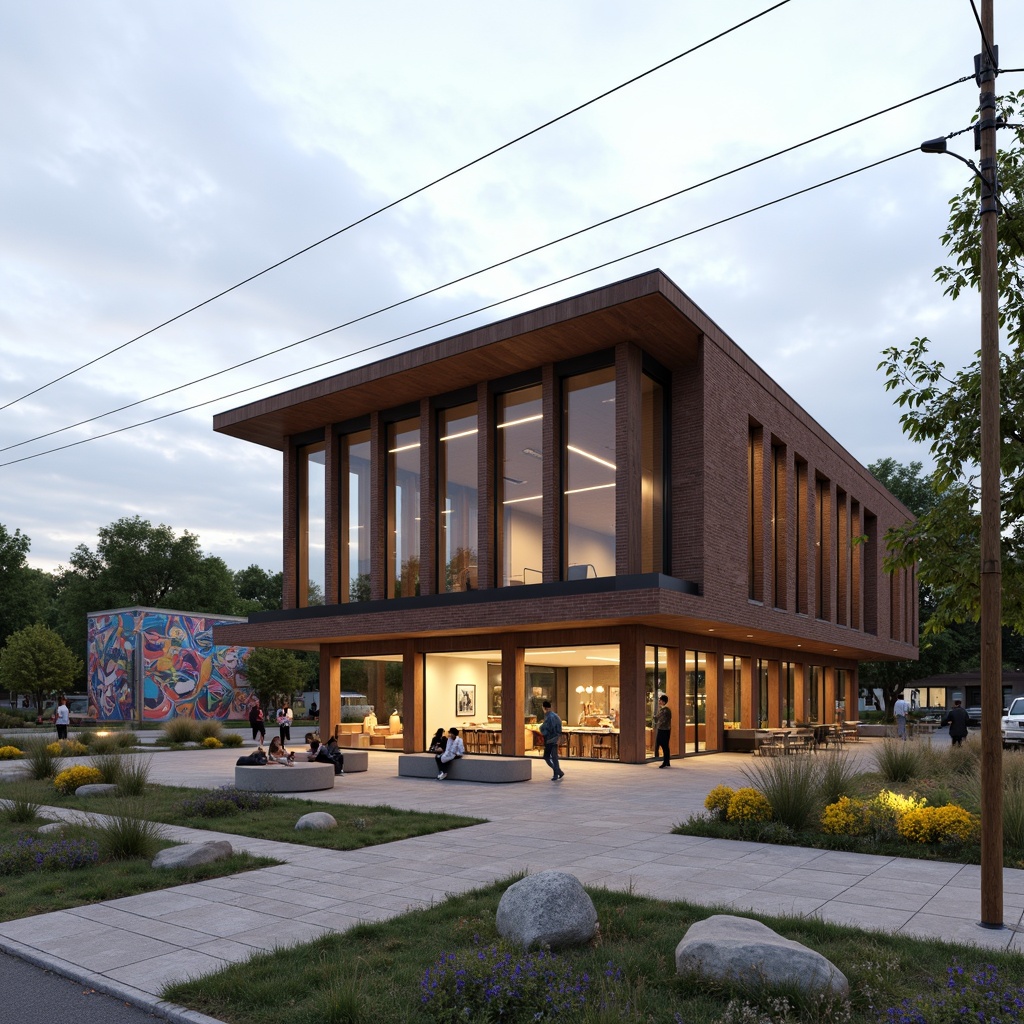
{"points": [[325, 753]]}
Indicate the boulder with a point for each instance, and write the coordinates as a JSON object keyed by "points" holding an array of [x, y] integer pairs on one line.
{"points": [[192, 854], [742, 950], [54, 826], [96, 789], [549, 909], [319, 820]]}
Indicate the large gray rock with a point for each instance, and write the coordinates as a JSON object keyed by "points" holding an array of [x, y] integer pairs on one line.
{"points": [[318, 820], [746, 951], [549, 909], [96, 789], [191, 855]]}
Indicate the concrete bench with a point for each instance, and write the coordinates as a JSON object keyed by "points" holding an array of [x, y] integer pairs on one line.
{"points": [[471, 768], [301, 777]]}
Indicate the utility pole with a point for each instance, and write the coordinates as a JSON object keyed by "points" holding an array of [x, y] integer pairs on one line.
{"points": [[991, 437]]}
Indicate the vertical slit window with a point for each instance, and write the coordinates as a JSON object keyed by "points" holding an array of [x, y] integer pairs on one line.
{"points": [[457, 498], [312, 524], [519, 490], [652, 484], [403, 480], [755, 551], [355, 517], [778, 532]]}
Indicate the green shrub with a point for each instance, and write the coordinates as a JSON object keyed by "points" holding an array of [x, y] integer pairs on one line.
{"points": [[837, 776], [134, 776], [181, 730], [790, 785], [109, 766], [232, 739], [21, 807], [127, 835], [209, 727], [898, 760], [70, 779]]}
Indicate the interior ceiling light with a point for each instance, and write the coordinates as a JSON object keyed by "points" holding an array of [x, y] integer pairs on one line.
{"points": [[404, 448], [533, 453], [581, 490], [515, 501], [463, 433], [513, 480], [589, 455], [519, 422], [595, 657]]}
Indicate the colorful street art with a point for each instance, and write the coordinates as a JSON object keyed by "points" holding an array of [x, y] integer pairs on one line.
{"points": [[183, 674]]}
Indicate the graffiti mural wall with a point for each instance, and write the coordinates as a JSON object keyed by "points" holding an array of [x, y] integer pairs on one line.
{"points": [[180, 672]]}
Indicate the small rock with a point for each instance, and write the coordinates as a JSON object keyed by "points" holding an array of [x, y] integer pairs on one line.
{"points": [[319, 820], [54, 826], [192, 854], [743, 950], [96, 789], [549, 909]]}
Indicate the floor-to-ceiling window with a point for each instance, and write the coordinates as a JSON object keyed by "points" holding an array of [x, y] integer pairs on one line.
{"points": [[761, 692], [355, 516], [789, 712], [457, 498], [695, 702], [652, 480], [311, 535], [588, 406], [519, 454], [403, 476], [732, 700], [815, 693]]}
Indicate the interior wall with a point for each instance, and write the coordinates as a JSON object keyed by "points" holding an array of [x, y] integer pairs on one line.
{"points": [[442, 676]]}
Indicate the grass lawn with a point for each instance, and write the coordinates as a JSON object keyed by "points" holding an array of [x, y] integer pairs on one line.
{"points": [[358, 826], [374, 971], [39, 892]]}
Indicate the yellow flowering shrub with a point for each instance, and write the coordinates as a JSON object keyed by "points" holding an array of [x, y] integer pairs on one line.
{"points": [[67, 748], [938, 825], [212, 742], [71, 778], [718, 799], [9, 753], [747, 804], [899, 803], [845, 817]]}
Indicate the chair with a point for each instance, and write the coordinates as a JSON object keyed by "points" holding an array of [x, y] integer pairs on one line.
{"points": [[581, 571], [821, 736], [602, 747]]}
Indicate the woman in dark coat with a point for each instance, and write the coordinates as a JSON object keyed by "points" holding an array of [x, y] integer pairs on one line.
{"points": [[257, 723], [956, 718]]}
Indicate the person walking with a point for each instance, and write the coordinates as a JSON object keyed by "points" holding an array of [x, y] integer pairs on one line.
{"points": [[453, 748], [663, 731], [957, 719], [259, 727], [62, 719], [285, 715], [551, 730], [901, 709]]}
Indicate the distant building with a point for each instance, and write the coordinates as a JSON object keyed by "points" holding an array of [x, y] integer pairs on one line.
{"points": [[150, 664], [591, 503]]}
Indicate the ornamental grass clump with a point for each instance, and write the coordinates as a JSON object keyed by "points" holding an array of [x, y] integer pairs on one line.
{"points": [[209, 728], [21, 807], [181, 730], [837, 776], [70, 779], [42, 762], [790, 785], [226, 800], [898, 760], [506, 984], [134, 775], [28, 853], [126, 834], [232, 739], [109, 766], [111, 743], [980, 997]]}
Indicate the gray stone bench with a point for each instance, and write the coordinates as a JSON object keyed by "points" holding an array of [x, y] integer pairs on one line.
{"points": [[471, 768], [301, 777]]}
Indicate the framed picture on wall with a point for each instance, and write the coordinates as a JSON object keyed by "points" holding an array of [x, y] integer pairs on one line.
{"points": [[465, 699]]}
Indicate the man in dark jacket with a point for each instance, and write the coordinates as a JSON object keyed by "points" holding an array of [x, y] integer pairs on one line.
{"points": [[551, 730], [956, 718]]}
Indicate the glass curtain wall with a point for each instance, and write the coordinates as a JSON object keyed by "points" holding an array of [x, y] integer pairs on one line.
{"points": [[403, 476], [589, 474], [731, 692], [652, 469], [789, 712], [695, 700], [761, 683], [457, 498], [355, 516], [656, 677], [519, 454], [815, 696], [312, 525]]}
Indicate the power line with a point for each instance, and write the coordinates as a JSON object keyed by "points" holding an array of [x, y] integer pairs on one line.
{"points": [[396, 202], [493, 266], [472, 312]]}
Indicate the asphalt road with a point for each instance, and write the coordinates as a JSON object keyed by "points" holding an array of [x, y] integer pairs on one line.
{"points": [[32, 995]]}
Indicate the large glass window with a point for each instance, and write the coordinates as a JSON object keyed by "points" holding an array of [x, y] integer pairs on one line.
{"points": [[457, 498], [652, 483], [695, 701], [403, 475], [589, 474], [311, 534], [656, 677], [519, 454], [732, 701], [355, 516]]}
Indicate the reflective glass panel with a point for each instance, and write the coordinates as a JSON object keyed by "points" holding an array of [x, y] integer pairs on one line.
{"points": [[403, 471], [652, 494], [312, 524], [355, 517], [520, 491], [457, 497]]}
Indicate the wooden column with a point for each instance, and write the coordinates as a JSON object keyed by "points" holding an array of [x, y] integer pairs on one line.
{"points": [[330, 692], [632, 697], [713, 681], [513, 698], [800, 710], [675, 689], [748, 715], [413, 719]]}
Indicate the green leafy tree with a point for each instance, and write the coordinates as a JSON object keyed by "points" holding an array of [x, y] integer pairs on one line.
{"points": [[274, 675], [35, 660], [257, 590], [24, 591], [941, 408]]}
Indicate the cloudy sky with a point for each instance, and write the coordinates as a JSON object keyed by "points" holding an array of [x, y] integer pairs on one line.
{"points": [[155, 154]]}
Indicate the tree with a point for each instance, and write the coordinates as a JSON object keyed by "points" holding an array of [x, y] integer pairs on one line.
{"points": [[273, 674], [36, 661], [24, 591], [257, 590], [137, 563], [942, 410]]}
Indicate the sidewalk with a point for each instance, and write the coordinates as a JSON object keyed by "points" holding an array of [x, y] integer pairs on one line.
{"points": [[607, 824]]}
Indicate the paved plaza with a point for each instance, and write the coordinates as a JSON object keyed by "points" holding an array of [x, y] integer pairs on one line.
{"points": [[608, 824]]}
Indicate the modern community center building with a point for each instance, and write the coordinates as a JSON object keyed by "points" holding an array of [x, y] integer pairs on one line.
{"points": [[592, 503]]}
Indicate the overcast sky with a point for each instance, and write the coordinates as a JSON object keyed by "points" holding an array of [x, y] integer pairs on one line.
{"points": [[155, 154]]}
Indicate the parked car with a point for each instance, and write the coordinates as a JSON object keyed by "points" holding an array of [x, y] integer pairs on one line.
{"points": [[78, 706], [1013, 724], [974, 717]]}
